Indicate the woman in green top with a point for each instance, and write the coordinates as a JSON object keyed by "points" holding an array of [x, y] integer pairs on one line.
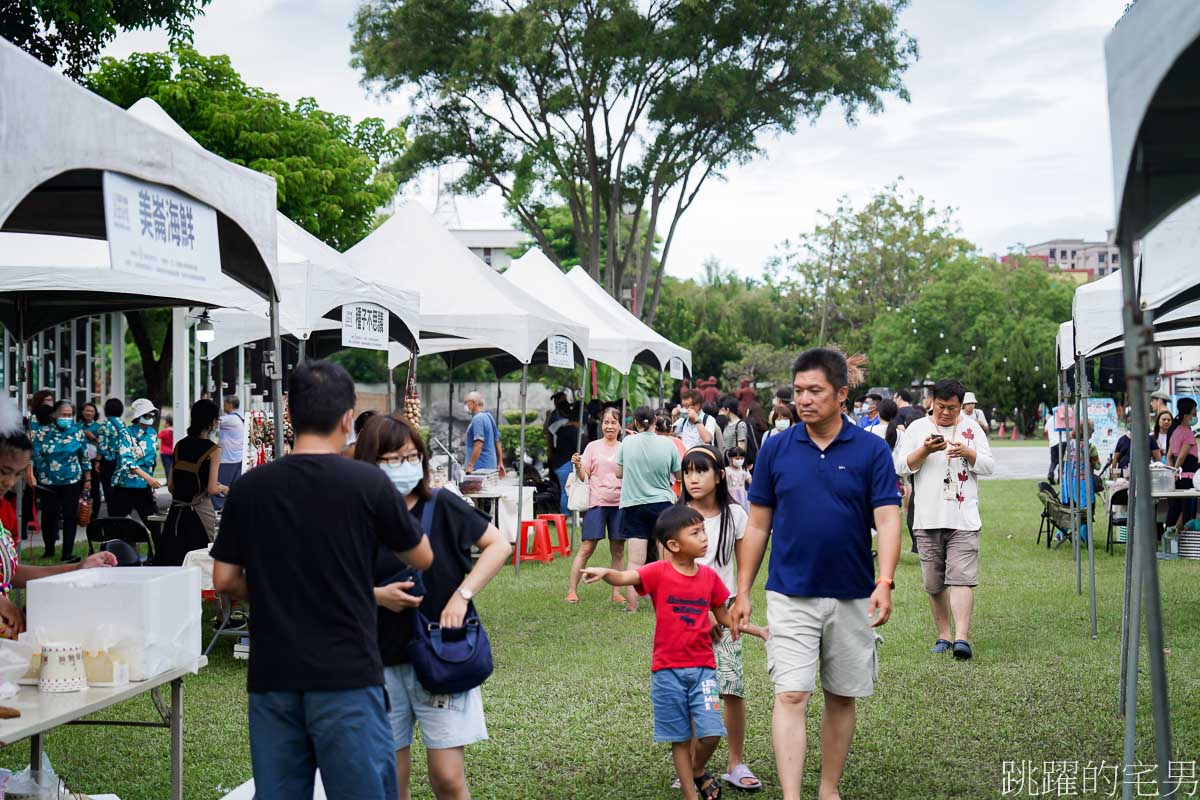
{"points": [[646, 464]]}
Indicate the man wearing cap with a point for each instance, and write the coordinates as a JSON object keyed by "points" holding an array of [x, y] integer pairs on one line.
{"points": [[970, 411], [137, 452]]}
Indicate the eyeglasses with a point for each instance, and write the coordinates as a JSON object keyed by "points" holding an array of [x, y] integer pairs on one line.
{"points": [[411, 458]]}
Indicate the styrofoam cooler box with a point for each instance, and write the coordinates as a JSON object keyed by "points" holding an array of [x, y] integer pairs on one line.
{"points": [[149, 616]]}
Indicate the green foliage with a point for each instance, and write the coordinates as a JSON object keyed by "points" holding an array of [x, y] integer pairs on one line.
{"points": [[761, 363], [364, 366], [513, 417], [510, 440], [990, 325], [619, 104], [71, 33], [327, 168]]}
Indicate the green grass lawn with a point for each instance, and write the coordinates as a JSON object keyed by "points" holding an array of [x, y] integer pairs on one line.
{"points": [[568, 707]]}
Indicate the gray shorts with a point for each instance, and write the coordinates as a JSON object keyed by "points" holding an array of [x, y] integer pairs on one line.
{"points": [[837, 632], [948, 558]]}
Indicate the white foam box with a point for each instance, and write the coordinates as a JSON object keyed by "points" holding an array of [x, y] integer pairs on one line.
{"points": [[148, 616]]}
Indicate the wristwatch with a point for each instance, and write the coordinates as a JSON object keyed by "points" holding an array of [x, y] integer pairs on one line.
{"points": [[891, 584], [465, 593]]}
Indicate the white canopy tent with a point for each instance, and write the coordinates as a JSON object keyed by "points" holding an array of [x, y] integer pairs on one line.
{"points": [[1169, 256], [58, 140], [663, 349], [1153, 65], [461, 297]]}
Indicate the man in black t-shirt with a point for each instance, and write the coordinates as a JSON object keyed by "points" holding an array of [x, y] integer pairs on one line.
{"points": [[298, 540]]}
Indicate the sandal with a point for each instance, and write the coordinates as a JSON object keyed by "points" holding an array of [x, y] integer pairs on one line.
{"points": [[708, 787], [962, 650], [573, 599], [940, 647], [738, 776]]}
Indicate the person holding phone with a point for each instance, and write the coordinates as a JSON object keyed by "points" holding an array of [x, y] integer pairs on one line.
{"points": [[946, 453]]}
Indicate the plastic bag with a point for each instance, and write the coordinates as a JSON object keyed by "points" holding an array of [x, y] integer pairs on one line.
{"points": [[15, 658]]}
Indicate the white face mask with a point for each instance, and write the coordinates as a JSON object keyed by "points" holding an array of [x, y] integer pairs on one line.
{"points": [[737, 462], [782, 424], [147, 420]]}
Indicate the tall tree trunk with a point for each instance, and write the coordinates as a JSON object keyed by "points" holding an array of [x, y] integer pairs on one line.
{"points": [[156, 371]]}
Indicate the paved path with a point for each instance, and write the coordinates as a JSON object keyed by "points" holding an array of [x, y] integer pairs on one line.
{"points": [[1020, 462]]}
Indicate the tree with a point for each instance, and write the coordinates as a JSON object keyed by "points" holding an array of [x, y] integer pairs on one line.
{"points": [[326, 168], [616, 106], [861, 262], [72, 32]]}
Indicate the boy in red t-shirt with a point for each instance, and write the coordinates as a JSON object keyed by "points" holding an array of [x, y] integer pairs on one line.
{"points": [[683, 684]]}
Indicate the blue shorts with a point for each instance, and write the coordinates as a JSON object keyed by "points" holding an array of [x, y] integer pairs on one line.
{"points": [[637, 522], [597, 518], [687, 703], [446, 720]]}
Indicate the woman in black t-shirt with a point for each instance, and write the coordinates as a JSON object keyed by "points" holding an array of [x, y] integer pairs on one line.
{"points": [[448, 723], [192, 521]]}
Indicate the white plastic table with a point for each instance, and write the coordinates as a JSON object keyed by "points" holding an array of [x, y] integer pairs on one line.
{"points": [[43, 712]]}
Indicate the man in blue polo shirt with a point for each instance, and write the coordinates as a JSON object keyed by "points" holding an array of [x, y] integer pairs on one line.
{"points": [[818, 489], [483, 438]]}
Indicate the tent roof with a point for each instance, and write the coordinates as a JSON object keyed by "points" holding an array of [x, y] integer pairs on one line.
{"points": [[1167, 274], [72, 278], [58, 139], [1096, 313], [1153, 62], [611, 341], [460, 295], [1066, 346], [314, 279], [663, 349]]}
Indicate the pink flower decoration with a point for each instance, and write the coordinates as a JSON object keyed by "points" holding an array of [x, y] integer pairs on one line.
{"points": [[962, 477], [960, 497], [969, 434]]}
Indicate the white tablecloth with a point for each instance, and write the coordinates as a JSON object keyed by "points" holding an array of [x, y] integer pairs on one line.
{"points": [[507, 492], [204, 562]]}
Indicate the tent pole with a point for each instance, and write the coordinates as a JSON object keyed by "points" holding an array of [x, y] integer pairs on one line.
{"points": [[1084, 394], [1128, 626], [277, 376], [89, 362], [1083, 467], [625, 396], [196, 367], [118, 356], [102, 360], [1141, 362], [450, 411], [498, 392], [662, 401], [575, 526], [303, 349], [240, 385], [521, 465], [181, 368]]}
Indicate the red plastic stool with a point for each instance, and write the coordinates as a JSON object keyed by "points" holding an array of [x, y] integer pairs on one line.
{"points": [[559, 521], [541, 542]]}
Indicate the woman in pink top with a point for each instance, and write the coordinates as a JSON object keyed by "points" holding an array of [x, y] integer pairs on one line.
{"points": [[598, 466], [1181, 453]]}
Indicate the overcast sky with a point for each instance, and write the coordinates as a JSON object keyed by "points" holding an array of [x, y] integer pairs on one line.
{"points": [[1008, 123]]}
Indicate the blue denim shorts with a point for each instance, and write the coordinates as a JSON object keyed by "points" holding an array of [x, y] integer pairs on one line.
{"points": [[597, 519], [446, 720], [637, 522], [686, 702]]}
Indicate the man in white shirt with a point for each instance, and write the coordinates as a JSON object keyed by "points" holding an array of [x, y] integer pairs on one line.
{"points": [[232, 430], [945, 454], [695, 427]]}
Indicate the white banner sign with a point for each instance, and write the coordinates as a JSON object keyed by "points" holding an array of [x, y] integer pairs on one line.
{"points": [[158, 233], [364, 325], [677, 368], [560, 352]]}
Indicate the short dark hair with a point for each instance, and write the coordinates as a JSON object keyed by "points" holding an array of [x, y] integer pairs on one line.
{"points": [[829, 361], [114, 408], [903, 394], [673, 520], [643, 417], [692, 395], [362, 419], [888, 410], [731, 405], [204, 414], [386, 434], [319, 394], [947, 388], [784, 393]]}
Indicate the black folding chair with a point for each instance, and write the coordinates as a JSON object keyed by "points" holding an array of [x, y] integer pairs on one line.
{"points": [[1120, 499], [126, 554], [126, 529]]}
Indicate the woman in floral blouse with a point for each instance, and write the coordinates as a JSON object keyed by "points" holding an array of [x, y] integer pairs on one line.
{"points": [[133, 480], [15, 451], [63, 472]]}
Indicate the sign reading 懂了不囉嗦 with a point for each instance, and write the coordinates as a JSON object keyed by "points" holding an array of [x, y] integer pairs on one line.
{"points": [[159, 233], [560, 352], [364, 325]]}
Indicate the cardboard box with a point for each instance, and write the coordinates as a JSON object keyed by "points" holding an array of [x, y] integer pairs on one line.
{"points": [[147, 617]]}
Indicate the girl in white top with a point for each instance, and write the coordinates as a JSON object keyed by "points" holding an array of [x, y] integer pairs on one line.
{"points": [[705, 490]]}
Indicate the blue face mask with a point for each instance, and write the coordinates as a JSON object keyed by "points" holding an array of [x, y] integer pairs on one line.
{"points": [[64, 422], [404, 476]]}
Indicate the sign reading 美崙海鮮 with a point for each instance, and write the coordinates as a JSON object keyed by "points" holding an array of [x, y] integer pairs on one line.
{"points": [[677, 368], [364, 325], [560, 352], [158, 233]]}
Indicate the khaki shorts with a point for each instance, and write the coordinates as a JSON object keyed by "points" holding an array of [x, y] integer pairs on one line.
{"points": [[837, 632], [948, 558]]}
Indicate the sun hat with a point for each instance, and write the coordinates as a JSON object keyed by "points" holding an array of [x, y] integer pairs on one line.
{"points": [[969, 398], [141, 407]]}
